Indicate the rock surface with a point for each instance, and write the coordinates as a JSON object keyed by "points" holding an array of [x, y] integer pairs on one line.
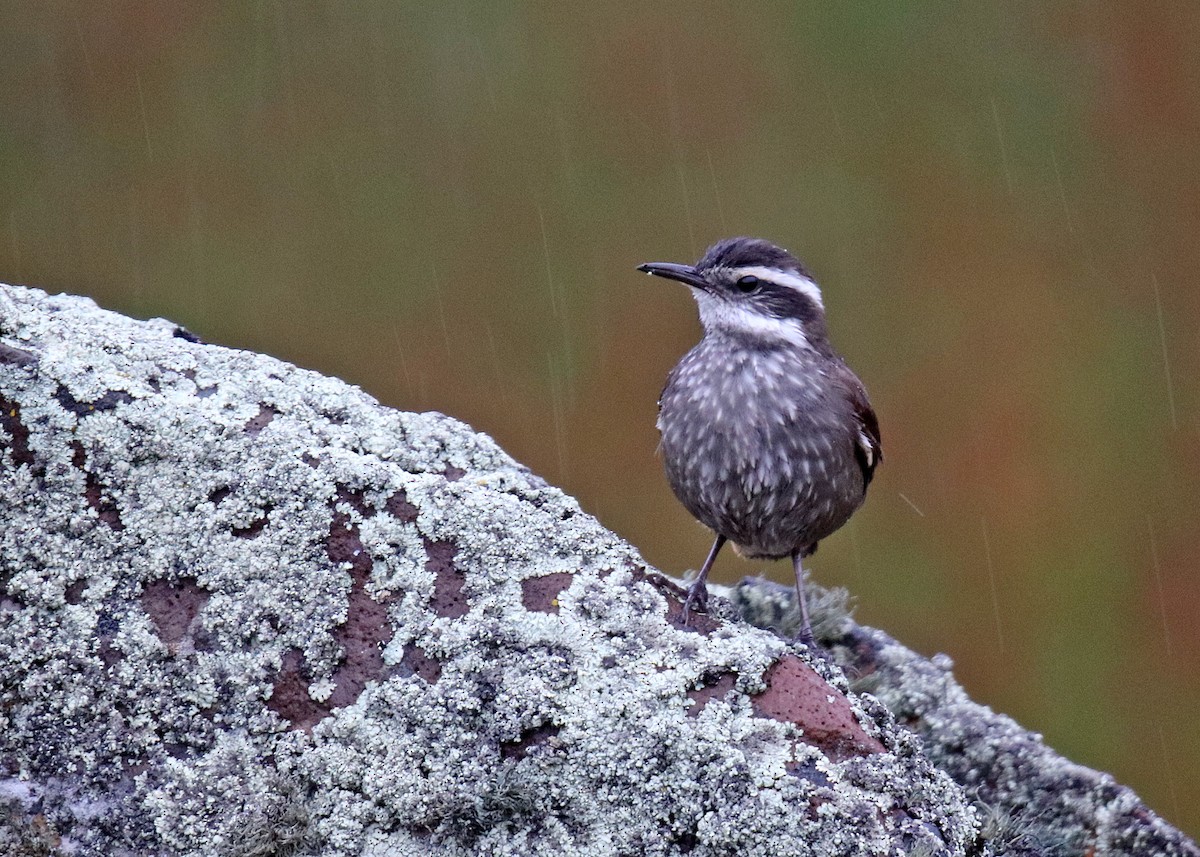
{"points": [[1030, 800], [246, 609]]}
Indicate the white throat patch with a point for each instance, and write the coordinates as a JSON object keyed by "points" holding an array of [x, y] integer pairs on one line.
{"points": [[718, 314]]}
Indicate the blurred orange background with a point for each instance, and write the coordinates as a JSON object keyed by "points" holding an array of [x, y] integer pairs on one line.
{"points": [[444, 204]]}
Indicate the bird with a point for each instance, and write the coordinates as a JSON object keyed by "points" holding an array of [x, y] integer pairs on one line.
{"points": [[767, 436]]}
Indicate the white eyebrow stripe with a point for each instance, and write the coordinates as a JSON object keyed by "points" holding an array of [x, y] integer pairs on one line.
{"points": [[792, 280]]}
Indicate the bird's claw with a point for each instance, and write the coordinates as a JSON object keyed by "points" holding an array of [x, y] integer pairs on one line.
{"points": [[696, 599]]}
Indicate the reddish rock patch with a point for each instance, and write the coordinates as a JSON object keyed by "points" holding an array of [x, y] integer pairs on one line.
{"points": [[289, 695], [449, 600], [261, 420], [172, 606], [93, 492], [107, 402], [17, 356], [715, 688], [796, 694], [254, 528], [367, 627], [343, 544], [74, 593], [362, 636], [416, 659], [540, 594], [356, 499], [399, 508], [10, 421]]}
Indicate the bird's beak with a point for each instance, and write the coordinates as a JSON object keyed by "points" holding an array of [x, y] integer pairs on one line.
{"points": [[673, 271]]}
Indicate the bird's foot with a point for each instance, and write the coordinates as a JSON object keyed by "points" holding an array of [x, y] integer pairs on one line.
{"points": [[806, 637], [696, 599], [815, 651]]}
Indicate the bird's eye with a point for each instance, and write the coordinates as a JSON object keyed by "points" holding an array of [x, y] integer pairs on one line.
{"points": [[748, 284]]}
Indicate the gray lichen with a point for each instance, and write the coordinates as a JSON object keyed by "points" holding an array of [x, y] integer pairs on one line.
{"points": [[245, 609], [1030, 800]]}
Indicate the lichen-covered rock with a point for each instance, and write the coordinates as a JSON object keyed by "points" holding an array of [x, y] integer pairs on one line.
{"points": [[1031, 801], [245, 609]]}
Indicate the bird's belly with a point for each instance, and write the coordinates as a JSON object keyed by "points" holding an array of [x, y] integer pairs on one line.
{"points": [[770, 485]]}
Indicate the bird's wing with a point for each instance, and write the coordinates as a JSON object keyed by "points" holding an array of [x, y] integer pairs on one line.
{"points": [[668, 384], [868, 446], [658, 423]]}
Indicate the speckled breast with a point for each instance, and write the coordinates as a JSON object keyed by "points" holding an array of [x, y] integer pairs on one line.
{"points": [[760, 447]]}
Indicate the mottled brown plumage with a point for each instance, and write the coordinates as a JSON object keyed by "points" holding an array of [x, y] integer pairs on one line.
{"points": [[768, 438]]}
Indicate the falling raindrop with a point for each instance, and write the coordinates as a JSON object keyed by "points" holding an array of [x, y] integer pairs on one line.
{"points": [[987, 552]]}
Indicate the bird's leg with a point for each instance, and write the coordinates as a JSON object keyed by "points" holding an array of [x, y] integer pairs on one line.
{"points": [[806, 635], [697, 594]]}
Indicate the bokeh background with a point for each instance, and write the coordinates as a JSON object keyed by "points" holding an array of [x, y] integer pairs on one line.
{"points": [[444, 203]]}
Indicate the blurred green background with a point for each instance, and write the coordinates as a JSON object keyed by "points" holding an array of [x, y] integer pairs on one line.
{"points": [[444, 203]]}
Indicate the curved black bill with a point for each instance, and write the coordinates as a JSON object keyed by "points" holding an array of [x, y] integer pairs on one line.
{"points": [[674, 271]]}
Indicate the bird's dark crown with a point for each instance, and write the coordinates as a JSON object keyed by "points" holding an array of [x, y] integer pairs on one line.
{"points": [[744, 252], [752, 290]]}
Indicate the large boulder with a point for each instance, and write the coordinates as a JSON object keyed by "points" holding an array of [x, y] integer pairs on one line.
{"points": [[245, 609]]}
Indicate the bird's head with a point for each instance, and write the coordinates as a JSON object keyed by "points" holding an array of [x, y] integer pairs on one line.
{"points": [[750, 289]]}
